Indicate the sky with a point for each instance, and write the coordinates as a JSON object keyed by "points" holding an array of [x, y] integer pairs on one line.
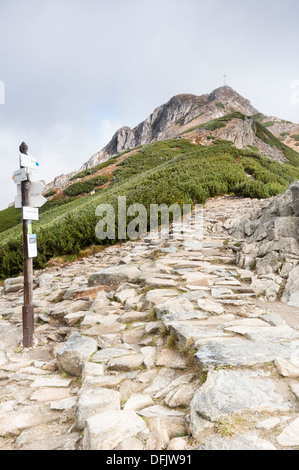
{"points": [[74, 71]]}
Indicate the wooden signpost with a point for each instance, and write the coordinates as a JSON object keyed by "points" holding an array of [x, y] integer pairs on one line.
{"points": [[30, 199]]}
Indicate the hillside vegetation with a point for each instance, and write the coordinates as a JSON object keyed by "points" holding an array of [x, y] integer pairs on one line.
{"points": [[172, 171]]}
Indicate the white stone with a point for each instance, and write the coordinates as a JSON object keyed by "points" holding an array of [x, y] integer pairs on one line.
{"points": [[290, 436], [105, 431], [138, 401], [229, 392], [149, 356], [210, 306], [94, 401]]}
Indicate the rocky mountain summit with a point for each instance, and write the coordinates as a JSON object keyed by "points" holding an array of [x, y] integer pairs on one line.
{"points": [[168, 120], [184, 115]]}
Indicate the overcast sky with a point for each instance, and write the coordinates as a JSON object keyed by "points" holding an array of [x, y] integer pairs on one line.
{"points": [[75, 71]]}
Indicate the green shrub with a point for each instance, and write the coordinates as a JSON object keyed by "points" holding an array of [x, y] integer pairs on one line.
{"points": [[94, 169], [76, 189], [50, 193]]}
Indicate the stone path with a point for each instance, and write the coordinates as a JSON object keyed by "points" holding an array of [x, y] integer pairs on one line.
{"points": [[154, 344]]}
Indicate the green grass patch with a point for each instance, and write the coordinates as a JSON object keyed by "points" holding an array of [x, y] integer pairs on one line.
{"points": [[9, 218], [76, 189], [266, 136], [216, 123]]}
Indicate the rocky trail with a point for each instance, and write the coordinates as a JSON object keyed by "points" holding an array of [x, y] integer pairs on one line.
{"points": [[155, 344]]}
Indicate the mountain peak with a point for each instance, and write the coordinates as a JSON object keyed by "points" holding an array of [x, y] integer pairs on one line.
{"points": [[166, 120]]}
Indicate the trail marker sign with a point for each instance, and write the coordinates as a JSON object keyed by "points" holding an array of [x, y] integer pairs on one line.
{"points": [[28, 162], [36, 199], [28, 198], [32, 246], [20, 175], [30, 213]]}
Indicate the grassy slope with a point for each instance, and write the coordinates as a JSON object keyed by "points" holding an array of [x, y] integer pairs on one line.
{"points": [[173, 171], [9, 218]]}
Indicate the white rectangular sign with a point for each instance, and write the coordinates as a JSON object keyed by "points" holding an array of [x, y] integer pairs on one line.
{"points": [[32, 246], [28, 162], [30, 213], [20, 175]]}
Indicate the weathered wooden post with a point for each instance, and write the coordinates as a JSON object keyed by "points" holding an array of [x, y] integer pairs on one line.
{"points": [[28, 311], [28, 201]]}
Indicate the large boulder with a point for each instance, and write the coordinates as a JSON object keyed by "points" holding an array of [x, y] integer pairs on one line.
{"points": [[114, 275], [13, 285], [227, 392], [77, 350]]}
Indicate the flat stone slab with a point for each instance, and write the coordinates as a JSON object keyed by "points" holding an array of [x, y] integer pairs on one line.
{"points": [[115, 275], [238, 352], [106, 381], [290, 436], [172, 306], [266, 333], [210, 306], [134, 316], [15, 422], [158, 411], [183, 316], [109, 353], [51, 382], [229, 392], [138, 401], [50, 394], [158, 296], [63, 405], [198, 279], [125, 363], [200, 335], [248, 441]]}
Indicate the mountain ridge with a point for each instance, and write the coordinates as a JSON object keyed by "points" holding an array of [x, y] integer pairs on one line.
{"points": [[173, 118]]}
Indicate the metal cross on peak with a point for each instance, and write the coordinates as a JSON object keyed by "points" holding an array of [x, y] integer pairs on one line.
{"points": [[225, 77]]}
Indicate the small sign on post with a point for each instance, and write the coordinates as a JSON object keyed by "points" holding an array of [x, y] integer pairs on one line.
{"points": [[20, 175], [30, 213], [28, 162], [32, 246]]}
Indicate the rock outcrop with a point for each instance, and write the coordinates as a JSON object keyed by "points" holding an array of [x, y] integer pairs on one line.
{"points": [[186, 111], [168, 120], [271, 246]]}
